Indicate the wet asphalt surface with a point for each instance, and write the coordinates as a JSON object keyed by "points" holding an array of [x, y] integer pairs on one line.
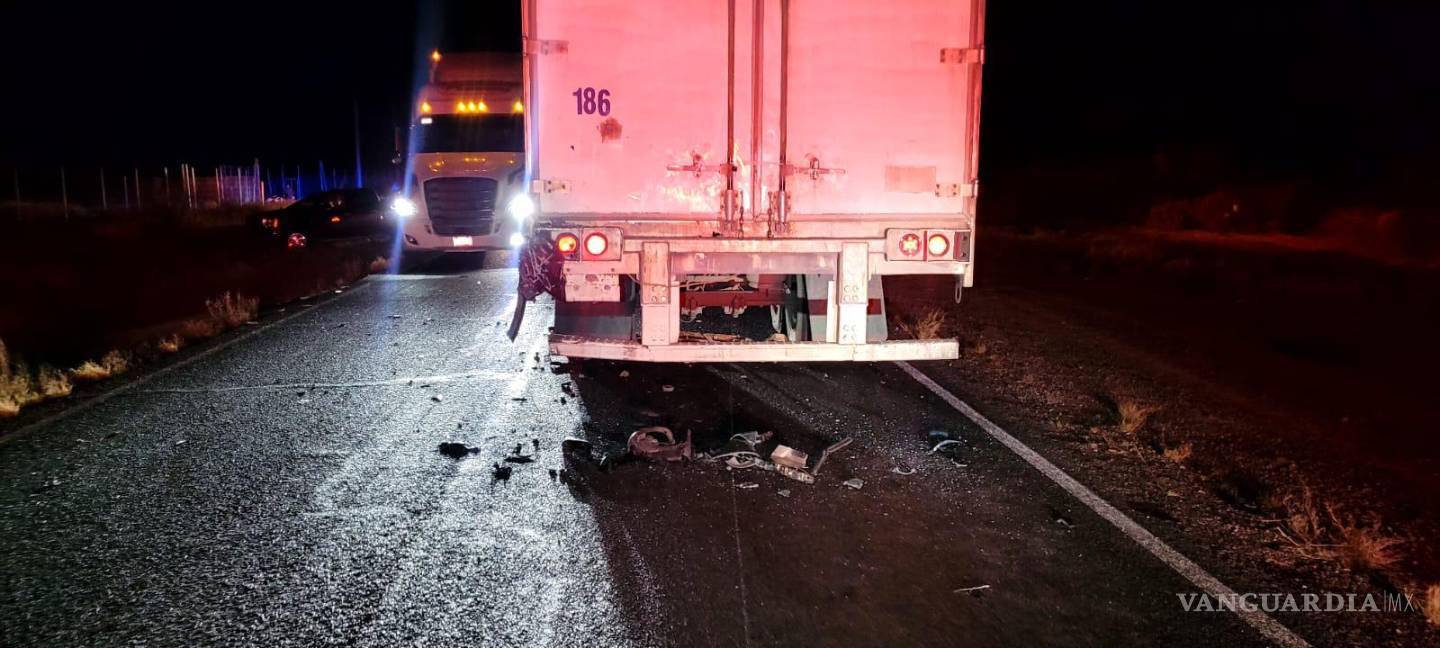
{"points": [[287, 490]]}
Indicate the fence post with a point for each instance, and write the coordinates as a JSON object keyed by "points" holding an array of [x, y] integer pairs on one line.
{"points": [[125, 189], [137, 188], [166, 171], [64, 196]]}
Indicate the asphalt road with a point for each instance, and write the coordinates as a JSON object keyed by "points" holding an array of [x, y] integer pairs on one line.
{"points": [[286, 490]]}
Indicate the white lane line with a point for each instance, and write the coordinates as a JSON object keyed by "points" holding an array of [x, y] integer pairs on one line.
{"points": [[443, 378], [740, 560], [1267, 626], [122, 389]]}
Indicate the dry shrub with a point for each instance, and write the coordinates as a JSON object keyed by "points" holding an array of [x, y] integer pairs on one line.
{"points": [[1132, 415], [1322, 533], [17, 389], [197, 329], [170, 343], [1430, 606], [379, 264], [113, 363], [232, 310], [53, 383], [1366, 548], [1179, 454], [925, 327]]}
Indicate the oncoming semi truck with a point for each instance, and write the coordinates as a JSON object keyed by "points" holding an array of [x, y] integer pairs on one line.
{"points": [[747, 154], [466, 160]]}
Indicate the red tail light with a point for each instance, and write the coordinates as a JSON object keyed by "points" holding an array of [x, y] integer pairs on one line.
{"points": [[567, 244], [596, 244], [937, 246], [910, 244]]}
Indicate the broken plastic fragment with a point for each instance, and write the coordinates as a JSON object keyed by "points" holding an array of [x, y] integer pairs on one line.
{"points": [[657, 443], [457, 450], [747, 485], [855, 484]]}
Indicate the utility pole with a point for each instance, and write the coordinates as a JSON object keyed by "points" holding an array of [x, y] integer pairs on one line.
{"points": [[166, 171], [125, 189], [359, 170], [137, 187], [104, 204]]}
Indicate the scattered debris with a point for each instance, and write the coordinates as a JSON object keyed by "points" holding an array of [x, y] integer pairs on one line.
{"points": [[575, 450], [945, 444], [437, 398], [501, 473], [747, 485], [667, 388], [657, 443], [625, 373], [1064, 522], [968, 590], [825, 454], [568, 388], [903, 470], [516, 451], [180, 442], [553, 474], [784, 455], [535, 443], [519, 459], [457, 450], [739, 452], [855, 484], [796, 474], [784, 492], [519, 399]]}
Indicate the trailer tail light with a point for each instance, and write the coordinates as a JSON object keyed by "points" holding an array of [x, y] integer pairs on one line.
{"points": [[596, 244], [936, 246], [910, 244], [566, 244]]}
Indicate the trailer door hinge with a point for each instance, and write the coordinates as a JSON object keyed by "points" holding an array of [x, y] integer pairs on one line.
{"points": [[960, 55], [540, 186], [541, 46], [957, 189]]}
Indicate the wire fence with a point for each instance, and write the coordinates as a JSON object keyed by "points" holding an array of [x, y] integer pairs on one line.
{"points": [[36, 192]]}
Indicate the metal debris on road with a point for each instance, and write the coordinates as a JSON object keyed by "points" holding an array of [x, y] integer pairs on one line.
{"points": [[825, 454], [625, 373], [784, 492], [574, 451], [657, 443], [739, 452], [520, 459], [437, 398], [457, 450], [784, 455], [747, 485], [854, 484], [501, 473], [568, 387], [667, 388], [977, 588], [796, 474], [903, 470]]}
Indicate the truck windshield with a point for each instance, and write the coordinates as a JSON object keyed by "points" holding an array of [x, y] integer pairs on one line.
{"points": [[466, 134]]}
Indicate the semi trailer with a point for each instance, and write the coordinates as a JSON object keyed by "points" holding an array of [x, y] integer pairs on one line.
{"points": [[781, 155]]}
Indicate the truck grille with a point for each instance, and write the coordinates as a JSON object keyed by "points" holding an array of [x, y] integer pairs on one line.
{"points": [[461, 206]]}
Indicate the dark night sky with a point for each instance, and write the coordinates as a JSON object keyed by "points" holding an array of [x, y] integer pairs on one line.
{"points": [[1280, 82]]}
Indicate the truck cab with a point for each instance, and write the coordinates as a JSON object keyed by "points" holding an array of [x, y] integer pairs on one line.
{"points": [[466, 164]]}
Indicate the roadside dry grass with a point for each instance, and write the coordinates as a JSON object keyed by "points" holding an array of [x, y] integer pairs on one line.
{"points": [[1180, 453], [1430, 606], [379, 264], [111, 364], [1320, 532], [925, 327]]}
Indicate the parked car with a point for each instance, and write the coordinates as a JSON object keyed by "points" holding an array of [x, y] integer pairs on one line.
{"points": [[328, 215]]}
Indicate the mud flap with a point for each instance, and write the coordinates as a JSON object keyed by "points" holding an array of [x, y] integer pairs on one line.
{"points": [[599, 319]]}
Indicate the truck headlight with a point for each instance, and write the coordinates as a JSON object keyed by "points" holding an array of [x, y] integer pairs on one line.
{"points": [[521, 207], [402, 207]]}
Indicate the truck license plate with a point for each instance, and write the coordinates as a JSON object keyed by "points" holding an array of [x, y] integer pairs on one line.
{"points": [[463, 241]]}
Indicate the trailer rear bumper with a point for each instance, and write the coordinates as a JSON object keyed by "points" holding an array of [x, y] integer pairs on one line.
{"points": [[618, 349]]}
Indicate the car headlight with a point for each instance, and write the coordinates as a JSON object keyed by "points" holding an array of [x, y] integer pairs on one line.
{"points": [[521, 207], [402, 207]]}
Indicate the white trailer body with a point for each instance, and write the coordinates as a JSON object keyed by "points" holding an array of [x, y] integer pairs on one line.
{"points": [[831, 141]]}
